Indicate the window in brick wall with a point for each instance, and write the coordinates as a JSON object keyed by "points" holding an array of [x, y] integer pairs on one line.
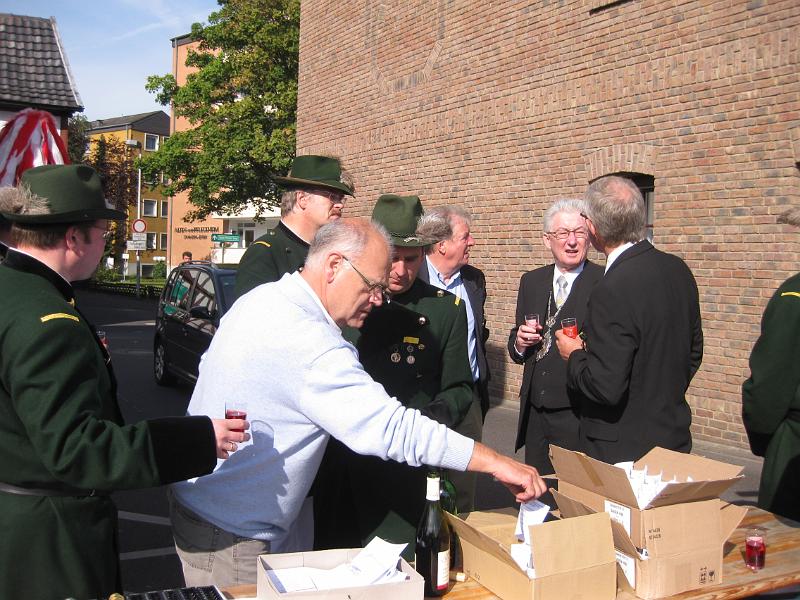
{"points": [[164, 241], [165, 208], [149, 208], [646, 185], [151, 241]]}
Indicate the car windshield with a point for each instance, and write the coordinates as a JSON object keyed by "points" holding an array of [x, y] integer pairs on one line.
{"points": [[227, 282]]}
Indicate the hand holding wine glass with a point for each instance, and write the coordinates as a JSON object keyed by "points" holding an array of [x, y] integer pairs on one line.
{"points": [[528, 333]]}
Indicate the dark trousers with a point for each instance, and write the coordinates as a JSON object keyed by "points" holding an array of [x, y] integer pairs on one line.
{"points": [[545, 427]]}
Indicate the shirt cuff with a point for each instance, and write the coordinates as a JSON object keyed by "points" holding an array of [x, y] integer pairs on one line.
{"points": [[459, 451]]}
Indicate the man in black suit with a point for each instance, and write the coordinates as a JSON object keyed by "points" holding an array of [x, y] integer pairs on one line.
{"points": [[644, 340], [447, 267], [547, 409]]}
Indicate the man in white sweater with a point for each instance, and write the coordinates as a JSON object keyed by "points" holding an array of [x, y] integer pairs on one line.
{"points": [[280, 348]]}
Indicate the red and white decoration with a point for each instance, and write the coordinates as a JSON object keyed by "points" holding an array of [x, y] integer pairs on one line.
{"points": [[29, 139]]}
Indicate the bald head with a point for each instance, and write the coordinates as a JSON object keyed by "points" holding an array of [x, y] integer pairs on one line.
{"points": [[348, 268]]}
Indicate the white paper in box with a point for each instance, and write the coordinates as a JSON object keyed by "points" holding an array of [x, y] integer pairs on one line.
{"points": [[411, 589]]}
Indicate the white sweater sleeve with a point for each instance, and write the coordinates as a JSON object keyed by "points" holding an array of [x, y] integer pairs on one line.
{"points": [[341, 398]]}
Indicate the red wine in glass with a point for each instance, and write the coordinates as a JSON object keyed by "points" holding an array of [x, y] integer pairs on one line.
{"points": [[235, 413], [755, 552]]}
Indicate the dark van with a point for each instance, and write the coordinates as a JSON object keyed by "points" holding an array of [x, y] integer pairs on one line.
{"points": [[194, 299]]}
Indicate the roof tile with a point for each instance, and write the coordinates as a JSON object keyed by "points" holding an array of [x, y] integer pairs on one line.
{"points": [[31, 63]]}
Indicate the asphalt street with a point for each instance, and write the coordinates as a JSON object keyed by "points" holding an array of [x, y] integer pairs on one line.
{"points": [[148, 557]]}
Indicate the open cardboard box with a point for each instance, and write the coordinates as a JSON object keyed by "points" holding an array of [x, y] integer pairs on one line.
{"points": [[411, 589], [573, 558], [683, 530], [682, 515]]}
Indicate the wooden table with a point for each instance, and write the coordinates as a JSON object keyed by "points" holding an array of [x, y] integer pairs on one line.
{"points": [[782, 567]]}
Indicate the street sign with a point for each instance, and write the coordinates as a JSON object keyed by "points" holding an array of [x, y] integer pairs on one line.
{"points": [[139, 226], [139, 237], [136, 245], [225, 237]]}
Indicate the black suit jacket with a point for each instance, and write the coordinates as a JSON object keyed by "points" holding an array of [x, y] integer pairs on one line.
{"points": [[475, 284], [544, 383], [644, 344]]}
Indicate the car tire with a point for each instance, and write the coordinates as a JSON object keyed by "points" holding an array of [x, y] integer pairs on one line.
{"points": [[161, 371]]}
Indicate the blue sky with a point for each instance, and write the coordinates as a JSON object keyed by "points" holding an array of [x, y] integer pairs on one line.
{"points": [[113, 45]]}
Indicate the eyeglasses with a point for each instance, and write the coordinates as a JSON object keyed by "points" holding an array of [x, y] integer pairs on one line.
{"points": [[563, 233], [376, 290], [334, 197], [107, 233]]}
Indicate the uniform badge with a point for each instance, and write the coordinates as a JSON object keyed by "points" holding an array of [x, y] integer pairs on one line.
{"points": [[409, 348], [440, 293], [395, 357], [410, 359], [421, 346], [422, 320]]}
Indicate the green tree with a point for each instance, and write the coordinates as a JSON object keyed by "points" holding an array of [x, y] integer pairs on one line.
{"points": [[241, 103], [114, 163], [77, 138]]}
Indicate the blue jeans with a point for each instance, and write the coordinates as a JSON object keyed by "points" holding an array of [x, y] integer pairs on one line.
{"points": [[210, 555]]}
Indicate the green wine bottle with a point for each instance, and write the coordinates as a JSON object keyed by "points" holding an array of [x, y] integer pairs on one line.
{"points": [[432, 550]]}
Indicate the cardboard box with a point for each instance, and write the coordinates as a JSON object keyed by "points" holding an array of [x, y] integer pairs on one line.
{"points": [[683, 515], [412, 589], [682, 531], [574, 558]]}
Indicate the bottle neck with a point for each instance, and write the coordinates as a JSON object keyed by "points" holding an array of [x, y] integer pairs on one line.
{"points": [[432, 491]]}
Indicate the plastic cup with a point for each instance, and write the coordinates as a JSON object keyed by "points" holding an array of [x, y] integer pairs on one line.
{"points": [[755, 549], [236, 410], [570, 327]]}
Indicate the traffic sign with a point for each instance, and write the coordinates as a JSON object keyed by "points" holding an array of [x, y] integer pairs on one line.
{"points": [[136, 245], [139, 237], [139, 226], [225, 237]]}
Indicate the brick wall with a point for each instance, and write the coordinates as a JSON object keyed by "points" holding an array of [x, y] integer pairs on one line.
{"points": [[504, 106]]}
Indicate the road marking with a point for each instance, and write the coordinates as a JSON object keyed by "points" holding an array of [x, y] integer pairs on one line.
{"points": [[168, 551], [143, 518]]}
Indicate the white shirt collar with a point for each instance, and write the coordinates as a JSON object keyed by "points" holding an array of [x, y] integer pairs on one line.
{"points": [[570, 276], [434, 275], [614, 254], [304, 284]]}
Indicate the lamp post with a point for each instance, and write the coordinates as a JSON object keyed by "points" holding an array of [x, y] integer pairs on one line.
{"points": [[136, 144]]}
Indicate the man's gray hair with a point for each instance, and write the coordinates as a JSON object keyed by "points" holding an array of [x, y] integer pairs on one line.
{"points": [[437, 223], [790, 217], [348, 237], [564, 205], [616, 207]]}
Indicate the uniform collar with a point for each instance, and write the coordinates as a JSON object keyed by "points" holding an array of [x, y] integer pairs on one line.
{"points": [[291, 234], [20, 261]]}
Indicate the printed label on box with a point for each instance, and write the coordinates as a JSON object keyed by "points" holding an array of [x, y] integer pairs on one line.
{"points": [[619, 513], [628, 565]]}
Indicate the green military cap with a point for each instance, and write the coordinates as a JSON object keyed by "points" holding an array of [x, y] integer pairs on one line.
{"points": [[312, 171], [399, 215], [73, 193]]}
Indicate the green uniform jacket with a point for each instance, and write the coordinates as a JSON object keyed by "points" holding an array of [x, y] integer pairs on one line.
{"points": [[61, 431], [771, 401], [416, 347], [270, 257]]}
